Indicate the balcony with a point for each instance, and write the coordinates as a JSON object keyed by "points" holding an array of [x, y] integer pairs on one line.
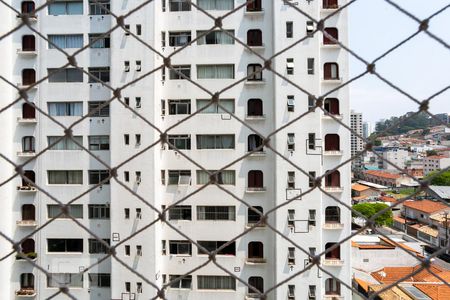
{"points": [[333, 226], [26, 223], [26, 52], [26, 292], [252, 296], [333, 189], [257, 154], [332, 262], [255, 117], [256, 47], [331, 116], [31, 256], [31, 17], [26, 153], [26, 189], [26, 121], [332, 152], [254, 12], [334, 80], [255, 189], [255, 260], [255, 82]]}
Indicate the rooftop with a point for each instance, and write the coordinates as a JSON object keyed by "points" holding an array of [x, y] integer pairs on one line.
{"points": [[383, 174], [392, 274], [436, 157], [426, 206], [441, 191], [359, 187]]}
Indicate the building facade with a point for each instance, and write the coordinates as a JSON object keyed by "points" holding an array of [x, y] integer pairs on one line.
{"points": [[120, 212], [356, 144]]}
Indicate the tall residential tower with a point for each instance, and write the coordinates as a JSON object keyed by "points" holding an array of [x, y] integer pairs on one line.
{"points": [[253, 177]]}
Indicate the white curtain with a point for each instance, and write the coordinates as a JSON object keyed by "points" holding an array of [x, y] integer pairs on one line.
{"points": [[223, 38], [226, 142], [58, 40], [202, 177], [57, 8], [216, 283], [228, 177], [65, 143], [215, 71], [65, 279], [228, 104], [74, 41], [75, 108], [75, 8], [216, 4]]}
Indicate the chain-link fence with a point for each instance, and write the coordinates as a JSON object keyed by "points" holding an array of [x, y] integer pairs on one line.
{"points": [[27, 19]]}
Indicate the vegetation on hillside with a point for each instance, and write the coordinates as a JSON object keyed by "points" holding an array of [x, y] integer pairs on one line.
{"points": [[406, 123], [370, 209]]}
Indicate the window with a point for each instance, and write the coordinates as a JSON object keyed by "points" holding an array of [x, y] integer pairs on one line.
{"points": [[333, 179], [163, 42], [223, 177], [180, 177], [99, 279], [255, 250], [65, 75], [211, 246], [127, 213], [334, 253], [126, 176], [139, 287], [330, 4], [28, 212], [60, 109], [179, 107], [216, 283], [28, 144], [137, 101], [225, 141], [310, 63], [99, 40], [214, 108], [332, 214], [215, 37], [98, 176], [290, 103], [28, 76], [98, 211], [289, 66], [177, 39], [255, 179], [180, 212], [289, 29], [65, 177], [28, 43], [291, 141], [27, 7], [333, 32], [291, 180], [332, 142], [126, 66], [68, 41], [331, 71], [180, 248], [99, 74], [291, 256], [254, 37], [312, 217], [138, 29], [176, 282], [127, 29], [180, 72], [179, 5], [291, 217], [94, 109], [126, 100], [64, 245], [55, 280], [311, 178], [75, 211], [311, 292], [254, 72], [257, 283], [309, 28], [311, 141], [99, 7], [215, 213], [28, 111], [65, 143], [126, 139], [254, 142], [331, 105], [254, 107], [252, 214], [138, 250], [137, 137], [138, 66], [291, 292], [127, 286], [254, 5], [332, 287], [181, 142], [216, 4], [97, 247], [215, 71], [65, 8]]}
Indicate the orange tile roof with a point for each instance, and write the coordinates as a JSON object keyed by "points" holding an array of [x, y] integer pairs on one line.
{"points": [[392, 274], [359, 187], [436, 157], [399, 219], [426, 206], [434, 291], [388, 199], [383, 174], [363, 284]]}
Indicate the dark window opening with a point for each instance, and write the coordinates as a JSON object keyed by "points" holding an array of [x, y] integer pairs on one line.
{"points": [[254, 37], [332, 142], [255, 179], [333, 179], [331, 71], [28, 76], [252, 216], [254, 5], [254, 72], [28, 212], [333, 32], [254, 141], [254, 107], [257, 283], [28, 7], [28, 43], [331, 105], [332, 214]]}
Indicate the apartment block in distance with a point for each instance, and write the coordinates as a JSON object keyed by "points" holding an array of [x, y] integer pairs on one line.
{"points": [[198, 219]]}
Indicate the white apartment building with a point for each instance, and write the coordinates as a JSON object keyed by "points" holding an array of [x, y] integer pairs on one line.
{"points": [[435, 163], [161, 176], [396, 156], [367, 129], [357, 144]]}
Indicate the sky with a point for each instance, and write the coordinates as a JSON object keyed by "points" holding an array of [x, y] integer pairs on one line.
{"points": [[421, 67]]}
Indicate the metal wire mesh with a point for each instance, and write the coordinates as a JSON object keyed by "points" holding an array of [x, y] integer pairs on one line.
{"points": [[26, 20]]}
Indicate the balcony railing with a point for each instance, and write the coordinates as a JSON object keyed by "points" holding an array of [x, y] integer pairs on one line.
{"points": [[256, 260], [26, 223], [26, 292], [334, 189], [26, 120], [333, 225], [333, 262], [256, 189], [26, 188]]}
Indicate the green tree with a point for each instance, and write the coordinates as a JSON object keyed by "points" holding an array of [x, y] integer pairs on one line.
{"points": [[370, 209], [431, 152], [441, 179]]}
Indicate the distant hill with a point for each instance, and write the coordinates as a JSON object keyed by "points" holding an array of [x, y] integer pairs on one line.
{"points": [[407, 122]]}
